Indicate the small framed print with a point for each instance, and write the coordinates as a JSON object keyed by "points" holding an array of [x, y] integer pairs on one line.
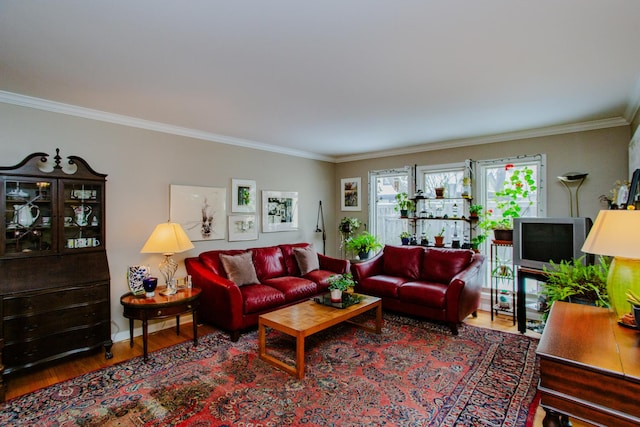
{"points": [[279, 211], [243, 195], [242, 227], [351, 191]]}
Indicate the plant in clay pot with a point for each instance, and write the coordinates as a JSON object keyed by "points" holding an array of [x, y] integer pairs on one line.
{"points": [[439, 238], [363, 244], [475, 210]]}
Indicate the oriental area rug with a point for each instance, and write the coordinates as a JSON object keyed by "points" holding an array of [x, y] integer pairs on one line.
{"points": [[414, 374]]}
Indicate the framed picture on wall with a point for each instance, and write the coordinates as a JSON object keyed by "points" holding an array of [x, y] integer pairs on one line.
{"points": [[201, 211], [243, 195], [350, 192], [242, 227], [279, 211]]}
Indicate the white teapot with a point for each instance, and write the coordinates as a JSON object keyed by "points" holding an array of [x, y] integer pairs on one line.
{"points": [[25, 215], [81, 214]]}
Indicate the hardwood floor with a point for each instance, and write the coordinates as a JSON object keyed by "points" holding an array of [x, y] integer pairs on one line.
{"points": [[25, 382]]}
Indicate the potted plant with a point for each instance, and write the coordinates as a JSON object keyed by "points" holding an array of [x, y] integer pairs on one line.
{"points": [[363, 244], [439, 238], [348, 225], [403, 204], [634, 300], [476, 241], [575, 282], [338, 284], [405, 236], [474, 211]]}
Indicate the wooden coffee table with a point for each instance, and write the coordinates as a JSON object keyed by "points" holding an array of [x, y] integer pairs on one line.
{"points": [[307, 318]]}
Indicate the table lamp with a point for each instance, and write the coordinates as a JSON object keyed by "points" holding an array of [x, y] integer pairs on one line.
{"points": [[168, 238], [616, 233]]}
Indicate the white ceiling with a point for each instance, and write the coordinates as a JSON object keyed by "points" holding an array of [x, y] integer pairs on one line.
{"points": [[336, 78]]}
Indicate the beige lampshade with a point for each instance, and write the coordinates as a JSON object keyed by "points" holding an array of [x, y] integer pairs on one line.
{"points": [[615, 233], [167, 238]]}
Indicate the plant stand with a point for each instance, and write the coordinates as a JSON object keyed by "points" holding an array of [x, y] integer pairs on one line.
{"points": [[503, 291]]}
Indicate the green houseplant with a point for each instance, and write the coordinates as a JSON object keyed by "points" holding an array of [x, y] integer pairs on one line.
{"points": [[475, 210], [405, 236], [363, 244], [575, 282], [403, 204]]}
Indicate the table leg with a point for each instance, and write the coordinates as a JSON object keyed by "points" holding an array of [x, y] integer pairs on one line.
{"points": [[178, 324], [261, 340], [379, 319], [131, 332], [195, 328], [300, 355], [552, 419], [145, 335]]}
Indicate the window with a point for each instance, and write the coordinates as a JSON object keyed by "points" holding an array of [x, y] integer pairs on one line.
{"points": [[384, 221]]}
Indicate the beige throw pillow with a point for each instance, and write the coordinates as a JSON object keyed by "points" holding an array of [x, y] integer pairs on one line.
{"points": [[239, 268], [307, 259]]}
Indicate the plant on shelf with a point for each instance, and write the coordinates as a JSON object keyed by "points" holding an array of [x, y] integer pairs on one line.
{"points": [[475, 210], [439, 238], [573, 281], [403, 204], [363, 244], [476, 241], [405, 236]]}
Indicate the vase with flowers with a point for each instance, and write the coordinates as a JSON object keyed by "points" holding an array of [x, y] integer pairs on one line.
{"points": [[516, 194]]}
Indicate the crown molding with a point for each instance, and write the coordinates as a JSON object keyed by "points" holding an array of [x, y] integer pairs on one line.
{"points": [[88, 113], [489, 139]]}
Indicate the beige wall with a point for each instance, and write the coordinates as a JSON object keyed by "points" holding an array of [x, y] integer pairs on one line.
{"points": [[142, 164], [602, 153]]}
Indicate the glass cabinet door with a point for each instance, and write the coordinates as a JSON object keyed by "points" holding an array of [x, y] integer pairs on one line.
{"points": [[82, 215], [28, 224]]}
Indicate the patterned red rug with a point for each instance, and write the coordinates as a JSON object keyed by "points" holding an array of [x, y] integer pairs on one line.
{"points": [[414, 374]]}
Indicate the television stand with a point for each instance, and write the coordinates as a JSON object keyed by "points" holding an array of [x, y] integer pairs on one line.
{"points": [[521, 297]]}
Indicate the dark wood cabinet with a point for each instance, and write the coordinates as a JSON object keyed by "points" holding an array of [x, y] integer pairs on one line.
{"points": [[54, 273]]}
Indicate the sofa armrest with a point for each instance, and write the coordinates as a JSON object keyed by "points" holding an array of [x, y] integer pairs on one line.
{"points": [[221, 300], [336, 265], [464, 290], [371, 267]]}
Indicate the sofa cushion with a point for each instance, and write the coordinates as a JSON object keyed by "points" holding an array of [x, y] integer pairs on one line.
{"points": [[290, 261], [402, 261], [212, 260], [307, 259], [259, 297], [381, 285], [320, 278], [293, 288], [268, 262], [429, 294], [239, 268], [440, 265]]}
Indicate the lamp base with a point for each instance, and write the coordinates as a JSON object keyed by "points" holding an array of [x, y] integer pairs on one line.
{"points": [[624, 274]]}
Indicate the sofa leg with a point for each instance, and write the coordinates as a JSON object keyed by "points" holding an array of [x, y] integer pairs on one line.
{"points": [[454, 328], [234, 335], [474, 314]]}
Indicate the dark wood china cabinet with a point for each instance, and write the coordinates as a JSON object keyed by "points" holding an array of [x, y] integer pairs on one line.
{"points": [[54, 274]]}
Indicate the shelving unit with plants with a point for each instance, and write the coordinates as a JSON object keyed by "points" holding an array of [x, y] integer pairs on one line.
{"points": [[447, 216], [503, 286]]}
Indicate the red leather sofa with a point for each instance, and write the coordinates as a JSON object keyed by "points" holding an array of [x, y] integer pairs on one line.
{"points": [[433, 283], [280, 283]]}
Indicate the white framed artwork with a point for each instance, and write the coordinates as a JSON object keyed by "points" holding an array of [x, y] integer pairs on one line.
{"points": [[243, 195], [279, 211], [201, 211], [350, 194], [242, 227]]}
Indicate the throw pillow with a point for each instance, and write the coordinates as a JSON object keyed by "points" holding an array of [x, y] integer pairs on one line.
{"points": [[239, 268], [307, 259]]}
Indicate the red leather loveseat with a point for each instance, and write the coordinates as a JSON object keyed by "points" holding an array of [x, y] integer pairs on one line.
{"points": [[239, 285], [434, 283]]}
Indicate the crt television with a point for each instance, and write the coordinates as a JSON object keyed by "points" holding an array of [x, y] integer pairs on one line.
{"points": [[536, 241]]}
